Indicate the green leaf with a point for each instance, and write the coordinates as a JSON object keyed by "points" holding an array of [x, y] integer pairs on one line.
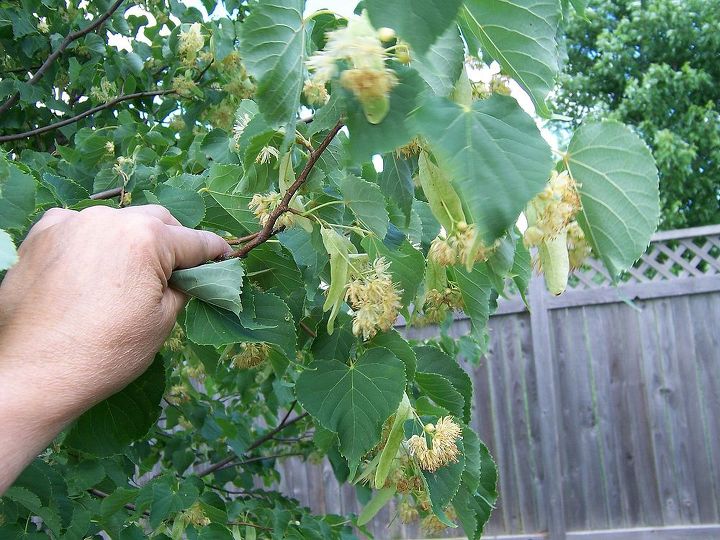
{"points": [[366, 202], [500, 262], [433, 360], [219, 284], [494, 154], [221, 183], [67, 191], [272, 45], [108, 427], [406, 264], [475, 288], [219, 147], [209, 325], [396, 344], [442, 64], [396, 182], [23, 497], [17, 196], [367, 139], [166, 500], [8, 253], [441, 391], [419, 22], [187, 206], [353, 400], [521, 36], [618, 184], [276, 270], [335, 346], [474, 508]]}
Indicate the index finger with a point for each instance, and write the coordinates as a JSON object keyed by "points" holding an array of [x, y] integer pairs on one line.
{"points": [[191, 247]]}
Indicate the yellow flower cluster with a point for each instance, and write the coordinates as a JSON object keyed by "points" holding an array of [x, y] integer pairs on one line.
{"points": [[175, 340], [413, 148], [432, 525], [263, 205], [577, 244], [407, 512], [315, 92], [439, 303], [368, 78], [267, 154], [184, 85], [195, 516], [43, 25], [190, 42], [552, 210], [374, 299], [443, 449], [107, 91], [251, 355], [459, 247]]}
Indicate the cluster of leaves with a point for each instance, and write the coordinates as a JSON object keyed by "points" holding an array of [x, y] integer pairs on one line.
{"points": [[653, 65], [203, 116]]}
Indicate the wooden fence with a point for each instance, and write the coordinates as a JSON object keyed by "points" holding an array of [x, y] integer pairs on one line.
{"points": [[601, 406]]}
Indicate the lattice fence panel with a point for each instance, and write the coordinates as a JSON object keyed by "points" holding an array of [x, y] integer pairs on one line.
{"points": [[679, 257]]}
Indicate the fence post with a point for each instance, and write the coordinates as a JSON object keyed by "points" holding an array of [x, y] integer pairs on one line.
{"points": [[549, 409]]}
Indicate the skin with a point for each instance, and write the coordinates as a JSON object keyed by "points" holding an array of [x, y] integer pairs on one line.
{"points": [[83, 313]]}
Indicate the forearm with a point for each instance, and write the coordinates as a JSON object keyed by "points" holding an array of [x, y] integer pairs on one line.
{"points": [[30, 420]]}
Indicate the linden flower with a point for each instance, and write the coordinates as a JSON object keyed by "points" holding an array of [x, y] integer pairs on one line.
{"points": [[432, 525], [443, 252], [578, 247], [315, 92], [439, 303], [195, 516], [374, 299], [242, 119], [443, 449], [358, 44], [110, 147], [552, 210], [251, 355], [263, 205], [407, 512], [190, 42], [43, 26], [266, 154]]}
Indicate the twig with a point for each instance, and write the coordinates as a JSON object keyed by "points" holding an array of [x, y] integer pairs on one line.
{"points": [[61, 48], [267, 231], [269, 435], [250, 525], [258, 458], [89, 112], [107, 194], [309, 331], [103, 495]]}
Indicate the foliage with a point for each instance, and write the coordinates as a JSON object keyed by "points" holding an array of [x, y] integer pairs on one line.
{"points": [[653, 65], [260, 123]]}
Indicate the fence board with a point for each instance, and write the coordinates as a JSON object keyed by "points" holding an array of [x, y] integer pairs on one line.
{"points": [[603, 416]]}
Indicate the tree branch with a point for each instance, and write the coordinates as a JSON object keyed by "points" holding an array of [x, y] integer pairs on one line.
{"points": [[107, 194], [89, 112], [267, 231], [56, 54], [269, 435]]}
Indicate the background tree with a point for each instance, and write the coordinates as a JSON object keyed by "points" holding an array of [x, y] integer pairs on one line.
{"points": [[261, 123], [653, 64]]}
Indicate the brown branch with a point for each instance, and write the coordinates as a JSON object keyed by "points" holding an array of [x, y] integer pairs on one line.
{"points": [[309, 331], [269, 435], [267, 231], [250, 525], [61, 49], [107, 194], [89, 112], [258, 458]]}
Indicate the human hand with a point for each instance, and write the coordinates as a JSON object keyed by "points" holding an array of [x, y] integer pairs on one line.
{"points": [[84, 311]]}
